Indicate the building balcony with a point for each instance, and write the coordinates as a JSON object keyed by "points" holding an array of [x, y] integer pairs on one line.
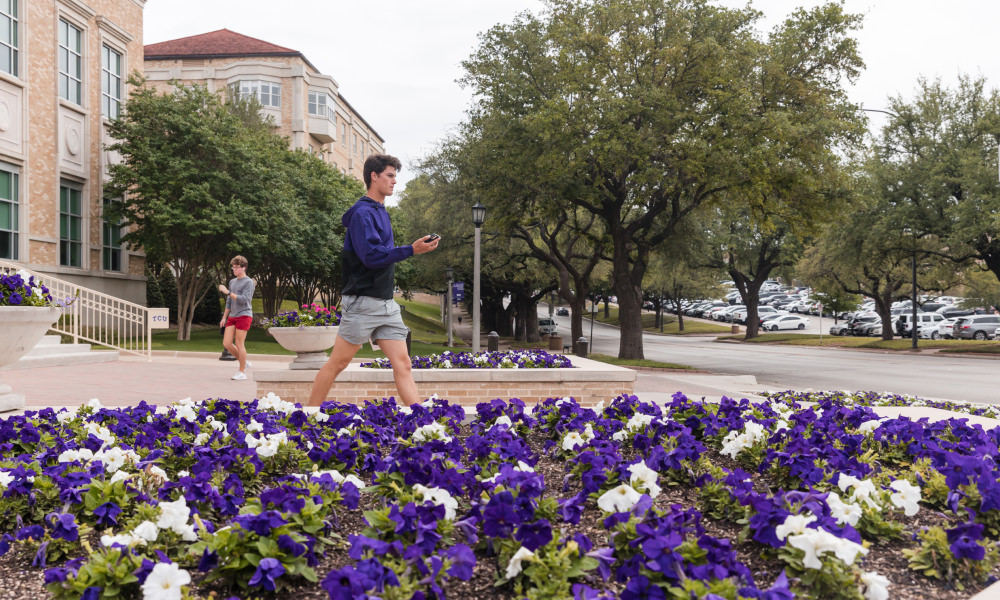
{"points": [[322, 128]]}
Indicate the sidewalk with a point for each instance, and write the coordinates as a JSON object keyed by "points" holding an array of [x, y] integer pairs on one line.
{"points": [[170, 377]]}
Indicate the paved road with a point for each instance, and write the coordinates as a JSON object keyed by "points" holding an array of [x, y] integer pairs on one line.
{"points": [[923, 374]]}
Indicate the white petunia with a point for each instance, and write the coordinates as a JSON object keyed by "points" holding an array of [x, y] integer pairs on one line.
{"points": [[847, 481], [514, 566], [321, 417], [431, 431], [255, 426], [65, 416], [113, 459], [186, 412], [94, 403], [174, 515], [202, 438], [794, 525], [120, 476], [619, 499], [906, 496], [844, 512], [440, 497], [816, 542], [643, 478], [572, 440], [147, 531], [876, 586], [524, 467], [164, 582]]}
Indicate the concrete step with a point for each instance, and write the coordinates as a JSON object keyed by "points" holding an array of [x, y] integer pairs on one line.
{"points": [[30, 361], [48, 349]]}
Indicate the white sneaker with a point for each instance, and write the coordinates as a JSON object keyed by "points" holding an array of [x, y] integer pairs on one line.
{"points": [[240, 375]]}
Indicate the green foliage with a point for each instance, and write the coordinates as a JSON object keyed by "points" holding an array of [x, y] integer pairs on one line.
{"points": [[109, 569], [834, 581], [550, 572], [933, 558]]}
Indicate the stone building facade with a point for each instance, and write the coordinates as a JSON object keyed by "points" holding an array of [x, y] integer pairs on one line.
{"points": [[63, 71], [306, 105]]}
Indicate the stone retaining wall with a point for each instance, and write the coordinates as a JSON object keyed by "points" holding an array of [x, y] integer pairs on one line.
{"points": [[589, 382]]}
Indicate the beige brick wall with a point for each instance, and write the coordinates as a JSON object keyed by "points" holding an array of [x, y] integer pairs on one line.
{"points": [[102, 21], [465, 393]]}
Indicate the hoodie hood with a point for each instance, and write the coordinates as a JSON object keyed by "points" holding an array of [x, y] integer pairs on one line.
{"points": [[363, 201]]}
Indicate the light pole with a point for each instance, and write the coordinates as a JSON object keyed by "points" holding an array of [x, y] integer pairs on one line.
{"points": [[478, 216], [449, 272], [913, 295]]}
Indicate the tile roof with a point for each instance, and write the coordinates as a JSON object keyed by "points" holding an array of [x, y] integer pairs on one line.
{"points": [[216, 44]]}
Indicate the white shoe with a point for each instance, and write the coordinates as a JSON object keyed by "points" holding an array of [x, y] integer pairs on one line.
{"points": [[240, 375]]}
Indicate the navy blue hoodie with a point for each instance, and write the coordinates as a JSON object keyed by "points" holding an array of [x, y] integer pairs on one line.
{"points": [[370, 254]]}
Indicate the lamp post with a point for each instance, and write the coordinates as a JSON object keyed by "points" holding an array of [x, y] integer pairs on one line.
{"points": [[450, 273], [913, 294], [478, 216]]}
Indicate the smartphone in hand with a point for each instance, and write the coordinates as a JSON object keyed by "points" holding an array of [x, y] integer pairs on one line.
{"points": [[431, 238]]}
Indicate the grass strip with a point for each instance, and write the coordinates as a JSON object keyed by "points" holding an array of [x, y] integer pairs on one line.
{"points": [[634, 362]]}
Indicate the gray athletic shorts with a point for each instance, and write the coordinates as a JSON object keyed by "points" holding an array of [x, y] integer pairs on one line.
{"points": [[364, 317]]}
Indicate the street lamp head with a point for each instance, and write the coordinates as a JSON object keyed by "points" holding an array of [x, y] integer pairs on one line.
{"points": [[478, 214], [449, 272]]}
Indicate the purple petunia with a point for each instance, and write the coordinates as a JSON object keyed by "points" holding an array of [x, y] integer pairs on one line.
{"points": [[268, 570]]}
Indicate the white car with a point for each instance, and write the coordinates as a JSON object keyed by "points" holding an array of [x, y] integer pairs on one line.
{"points": [[945, 330], [786, 322]]}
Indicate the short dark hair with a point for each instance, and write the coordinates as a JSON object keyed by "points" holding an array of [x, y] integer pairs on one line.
{"points": [[239, 261], [376, 163]]}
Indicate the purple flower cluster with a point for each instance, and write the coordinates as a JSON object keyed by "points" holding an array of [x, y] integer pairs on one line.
{"points": [[21, 289], [513, 359], [309, 315], [253, 494]]}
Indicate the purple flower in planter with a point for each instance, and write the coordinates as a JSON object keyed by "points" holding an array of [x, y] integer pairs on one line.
{"points": [[261, 524], [463, 560], [107, 514], [641, 588], [375, 576], [34, 532], [92, 593], [499, 516], [571, 509], [344, 584], [964, 539], [63, 526], [534, 535], [210, 560], [267, 571]]}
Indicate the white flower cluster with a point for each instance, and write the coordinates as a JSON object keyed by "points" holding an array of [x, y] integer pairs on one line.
{"points": [[173, 516], [275, 403], [738, 441], [431, 431], [575, 438], [905, 496], [643, 478], [636, 423], [267, 445], [440, 497], [164, 582], [817, 542], [5, 479], [619, 499]]}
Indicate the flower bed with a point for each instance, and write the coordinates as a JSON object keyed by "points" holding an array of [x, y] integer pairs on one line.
{"points": [[876, 399], [21, 289], [512, 359], [631, 500], [310, 315]]}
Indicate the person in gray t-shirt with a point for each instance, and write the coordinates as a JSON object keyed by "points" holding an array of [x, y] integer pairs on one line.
{"points": [[239, 313]]}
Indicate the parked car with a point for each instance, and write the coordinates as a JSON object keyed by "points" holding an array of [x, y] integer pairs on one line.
{"points": [[950, 312], [945, 330], [842, 328], [787, 322], [868, 328], [562, 311], [858, 322], [903, 326], [976, 327], [740, 316]]}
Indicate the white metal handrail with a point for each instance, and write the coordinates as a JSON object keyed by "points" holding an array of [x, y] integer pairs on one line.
{"points": [[95, 317]]}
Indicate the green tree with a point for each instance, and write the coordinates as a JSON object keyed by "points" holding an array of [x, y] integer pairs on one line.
{"points": [[645, 110], [184, 164]]}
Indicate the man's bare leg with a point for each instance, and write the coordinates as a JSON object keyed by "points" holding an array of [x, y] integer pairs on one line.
{"points": [[343, 352], [402, 369], [239, 342]]}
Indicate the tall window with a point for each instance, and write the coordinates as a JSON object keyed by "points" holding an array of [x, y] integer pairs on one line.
{"points": [[355, 144], [267, 93], [111, 83], [8, 36], [70, 227], [343, 134], [111, 239], [8, 215], [321, 105], [70, 62]]}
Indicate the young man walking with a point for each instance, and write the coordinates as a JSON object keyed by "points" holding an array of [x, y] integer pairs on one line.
{"points": [[239, 313], [368, 311]]}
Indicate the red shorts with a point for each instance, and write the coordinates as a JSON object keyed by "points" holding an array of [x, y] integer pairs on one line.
{"points": [[241, 323]]}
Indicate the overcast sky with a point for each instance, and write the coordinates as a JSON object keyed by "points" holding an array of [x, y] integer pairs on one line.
{"points": [[398, 64]]}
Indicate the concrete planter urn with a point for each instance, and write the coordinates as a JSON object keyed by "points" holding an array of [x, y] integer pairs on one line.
{"points": [[310, 343], [22, 327]]}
